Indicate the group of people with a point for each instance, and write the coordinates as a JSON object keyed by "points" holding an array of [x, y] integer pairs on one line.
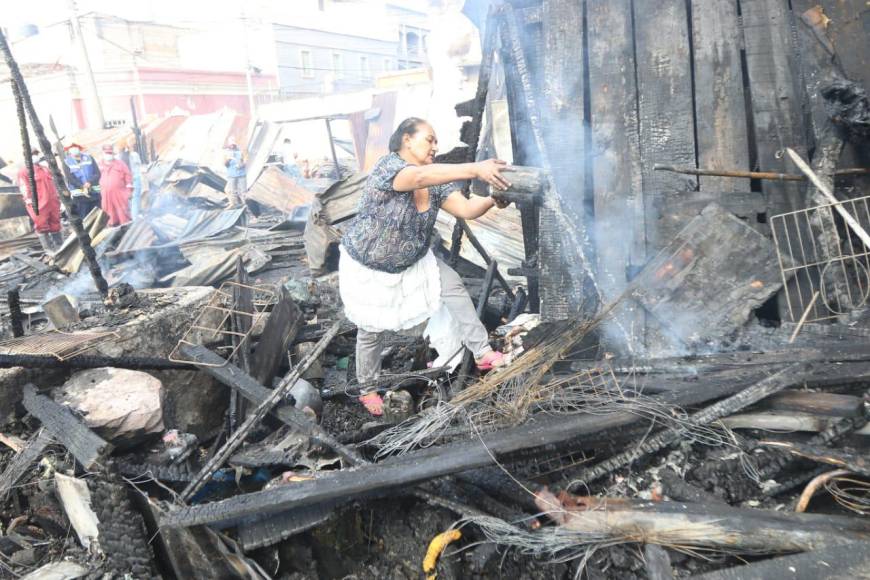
{"points": [[110, 183]]}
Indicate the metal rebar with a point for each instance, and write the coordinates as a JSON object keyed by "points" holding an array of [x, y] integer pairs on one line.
{"points": [[57, 176], [764, 175]]}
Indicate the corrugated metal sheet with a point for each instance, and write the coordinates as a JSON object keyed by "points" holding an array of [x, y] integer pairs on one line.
{"points": [[499, 231], [278, 190]]}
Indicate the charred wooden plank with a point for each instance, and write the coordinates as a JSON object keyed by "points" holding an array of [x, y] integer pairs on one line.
{"points": [[829, 404], [277, 528], [776, 103], [281, 329], [846, 560], [683, 286], [720, 106], [23, 460], [620, 218], [70, 431]]}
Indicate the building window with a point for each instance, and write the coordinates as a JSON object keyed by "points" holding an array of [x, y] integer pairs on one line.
{"points": [[337, 65], [365, 71], [307, 64], [388, 65]]}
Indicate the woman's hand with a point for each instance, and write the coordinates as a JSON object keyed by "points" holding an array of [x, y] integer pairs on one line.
{"points": [[490, 172]]}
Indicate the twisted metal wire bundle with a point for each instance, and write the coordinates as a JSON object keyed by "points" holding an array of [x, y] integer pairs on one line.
{"points": [[851, 492]]}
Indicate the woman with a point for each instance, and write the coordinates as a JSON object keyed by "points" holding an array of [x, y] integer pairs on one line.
{"points": [[389, 278]]}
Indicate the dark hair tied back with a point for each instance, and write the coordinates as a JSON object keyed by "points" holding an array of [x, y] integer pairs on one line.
{"points": [[406, 127]]}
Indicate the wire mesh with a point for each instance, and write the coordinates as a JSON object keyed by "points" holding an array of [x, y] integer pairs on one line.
{"points": [[819, 252], [213, 324], [61, 345]]}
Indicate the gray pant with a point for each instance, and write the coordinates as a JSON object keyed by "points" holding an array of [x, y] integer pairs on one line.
{"points": [[370, 345], [236, 186]]}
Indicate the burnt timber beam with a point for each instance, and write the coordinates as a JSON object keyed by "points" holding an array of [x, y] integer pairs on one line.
{"points": [[281, 329], [846, 560], [426, 464], [86, 446], [778, 381]]}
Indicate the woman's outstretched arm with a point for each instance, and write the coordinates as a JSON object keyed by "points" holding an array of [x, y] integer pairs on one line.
{"points": [[420, 176]]}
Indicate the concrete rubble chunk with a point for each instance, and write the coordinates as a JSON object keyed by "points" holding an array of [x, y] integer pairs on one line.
{"points": [[61, 311], [122, 406]]}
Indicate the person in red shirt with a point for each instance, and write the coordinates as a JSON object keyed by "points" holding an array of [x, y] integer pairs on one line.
{"points": [[116, 185], [47, 223]]}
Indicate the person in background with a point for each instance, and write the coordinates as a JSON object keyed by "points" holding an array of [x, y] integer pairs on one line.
{"points": [[47, 223], [288, 158], [116, 184], [84, 180], [234, 161], [134, 162], [388, 277]]}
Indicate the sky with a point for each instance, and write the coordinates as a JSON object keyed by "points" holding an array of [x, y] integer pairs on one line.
{"points": [[44, 12]]}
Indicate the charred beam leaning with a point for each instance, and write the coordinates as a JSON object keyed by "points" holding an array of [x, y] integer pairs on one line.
{"points": [[257, 415], [57, 176], [16, 468], [786, 377], [69, 430]]}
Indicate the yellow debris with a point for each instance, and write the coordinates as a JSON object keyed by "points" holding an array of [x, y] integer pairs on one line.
{"points": [[436, 547]]}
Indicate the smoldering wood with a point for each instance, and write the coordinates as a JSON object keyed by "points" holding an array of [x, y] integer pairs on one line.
{"points": [[70, 431], [280, 331], [616, 171], [846, 560], [677, 488], [426, 464], [565, 266], [790, 375], [720, 527], [683, 285], [234, 378], [236, 439], [22, 461]]}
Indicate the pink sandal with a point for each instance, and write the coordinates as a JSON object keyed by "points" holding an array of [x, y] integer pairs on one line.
{"points": [[373, 403], [491, 360]]}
